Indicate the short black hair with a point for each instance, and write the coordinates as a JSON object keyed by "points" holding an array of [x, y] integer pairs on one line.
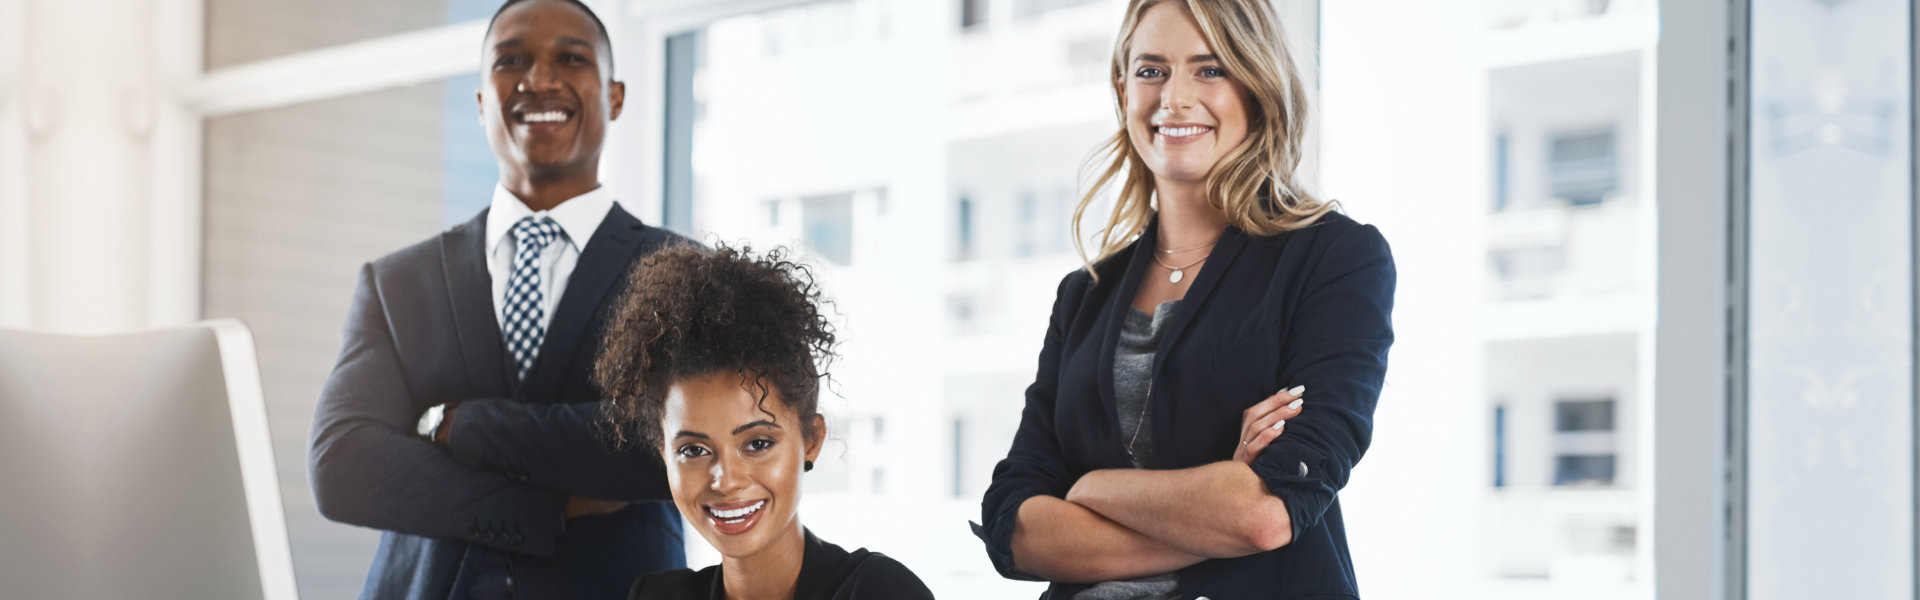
{"points": [[602, 27]]}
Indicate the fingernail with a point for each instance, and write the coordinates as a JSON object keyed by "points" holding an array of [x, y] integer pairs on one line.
{"points": [[1295, 405], [1297, 390], [1280, 423]]}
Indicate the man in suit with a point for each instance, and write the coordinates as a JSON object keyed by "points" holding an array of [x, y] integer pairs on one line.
{"points": [[461, 417]]}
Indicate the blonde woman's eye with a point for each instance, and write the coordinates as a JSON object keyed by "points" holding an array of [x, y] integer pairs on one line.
{"points": [[1148, 73], [1213, 72]]}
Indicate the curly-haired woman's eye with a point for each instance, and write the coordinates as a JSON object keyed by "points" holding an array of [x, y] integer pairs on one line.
{"points": [[692, 451], [760, 445]]}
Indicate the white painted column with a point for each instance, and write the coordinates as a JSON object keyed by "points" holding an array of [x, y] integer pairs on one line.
{"points": [[13, 178], [89, 122]]}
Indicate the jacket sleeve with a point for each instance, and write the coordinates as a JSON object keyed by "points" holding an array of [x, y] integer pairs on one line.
{"points": [[369, 469], [559, 445], [1035, 465], [1337, 347]]}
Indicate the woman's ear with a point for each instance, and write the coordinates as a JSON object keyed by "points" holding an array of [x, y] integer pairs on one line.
{"points": [[819, 438]]}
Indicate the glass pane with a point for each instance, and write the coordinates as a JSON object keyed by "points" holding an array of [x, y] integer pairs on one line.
{"points": [[1499, 146], [242, 31], [940, 226], [297, 199], [1830, 301]]}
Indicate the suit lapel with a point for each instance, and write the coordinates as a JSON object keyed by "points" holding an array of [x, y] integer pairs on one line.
{"points": [[1114, 315], [604, 264], [463, 259]]}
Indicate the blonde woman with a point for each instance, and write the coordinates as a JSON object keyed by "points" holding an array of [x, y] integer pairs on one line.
{"points": [[1208, 381]]}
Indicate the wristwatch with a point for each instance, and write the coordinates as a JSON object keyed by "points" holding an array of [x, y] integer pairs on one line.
{"points": [[429, 427]]}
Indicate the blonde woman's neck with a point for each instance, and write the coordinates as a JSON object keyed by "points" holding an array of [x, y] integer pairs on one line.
{"points": [[1186, 218]]}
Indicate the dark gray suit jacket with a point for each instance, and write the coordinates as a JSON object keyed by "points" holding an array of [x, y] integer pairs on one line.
{"points": [[483, 518]]}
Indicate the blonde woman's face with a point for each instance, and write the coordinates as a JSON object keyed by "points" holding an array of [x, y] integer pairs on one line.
{"points": [[1184, 111], [734, 469]]}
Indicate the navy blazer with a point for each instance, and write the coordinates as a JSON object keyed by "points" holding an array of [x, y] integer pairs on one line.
{"points": [[1311, 307], [483, 518]]}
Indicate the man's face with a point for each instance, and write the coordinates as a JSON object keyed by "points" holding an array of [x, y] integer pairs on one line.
{"points": [[548, 93]]}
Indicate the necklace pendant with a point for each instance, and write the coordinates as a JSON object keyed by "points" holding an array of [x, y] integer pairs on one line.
{"points": [[1176, 276]]}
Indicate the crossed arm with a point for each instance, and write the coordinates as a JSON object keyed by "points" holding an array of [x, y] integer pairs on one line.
{"points": [[369, 469], [1117, 524]]}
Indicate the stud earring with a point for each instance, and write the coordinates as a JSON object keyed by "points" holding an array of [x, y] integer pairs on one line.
{"points": [[809, 465]]}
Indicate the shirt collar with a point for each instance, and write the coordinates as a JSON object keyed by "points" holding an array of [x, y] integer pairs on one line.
{"points": [[578, 216]]}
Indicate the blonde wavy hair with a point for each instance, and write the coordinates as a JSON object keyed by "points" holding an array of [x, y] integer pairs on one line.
{"points": [[1247, 38]]}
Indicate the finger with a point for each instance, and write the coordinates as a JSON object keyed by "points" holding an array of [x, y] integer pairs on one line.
{"points": [[1256, 426], [1275, 402], [1265, 437]]}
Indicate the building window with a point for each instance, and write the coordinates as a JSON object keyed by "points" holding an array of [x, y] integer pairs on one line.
{"points": [[1024, 9], [959, 457], [1584, 442], [827, 223], [1582, 168], [1500, 177], [963, 220], [973, 13], [1499, 446]]}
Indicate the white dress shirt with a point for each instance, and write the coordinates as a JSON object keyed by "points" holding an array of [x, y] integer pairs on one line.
{"points": [[578, 218]]}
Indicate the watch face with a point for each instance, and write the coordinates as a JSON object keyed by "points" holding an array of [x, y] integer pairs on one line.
{"points": [[431, 420]]}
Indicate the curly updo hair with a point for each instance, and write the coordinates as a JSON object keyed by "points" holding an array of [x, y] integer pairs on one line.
{"points": [[690, 311]]}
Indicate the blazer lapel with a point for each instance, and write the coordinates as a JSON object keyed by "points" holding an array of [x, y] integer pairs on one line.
{"points": [[463, 259], [1113, 316], [605, 263], [1232, 241]]}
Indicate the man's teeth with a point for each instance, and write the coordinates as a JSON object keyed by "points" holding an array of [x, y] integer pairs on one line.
{"points": [[739, 512], [552, 116], [1181, 131]]}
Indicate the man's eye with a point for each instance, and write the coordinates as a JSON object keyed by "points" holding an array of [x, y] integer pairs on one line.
{"points": [[572, 58], [507, 61]]}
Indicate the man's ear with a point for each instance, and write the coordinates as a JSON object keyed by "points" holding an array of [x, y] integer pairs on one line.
{"points": [[616, 99], [819, 438], [480, 107]]}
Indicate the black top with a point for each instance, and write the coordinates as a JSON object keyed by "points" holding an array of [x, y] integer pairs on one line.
{"points": [[826, 573], [1312, 307]]}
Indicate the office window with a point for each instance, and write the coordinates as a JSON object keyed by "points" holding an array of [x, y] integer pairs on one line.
{"points": [[959, 457], [1583, 415], [828, 221], [1581, 167]]}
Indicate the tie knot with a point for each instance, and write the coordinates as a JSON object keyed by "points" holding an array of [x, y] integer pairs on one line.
{"points": [[537, 234]]}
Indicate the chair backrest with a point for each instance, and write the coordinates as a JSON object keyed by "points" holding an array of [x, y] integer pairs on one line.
{"points": [[138, 465]]}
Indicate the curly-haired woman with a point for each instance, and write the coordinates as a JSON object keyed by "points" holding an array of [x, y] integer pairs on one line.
{"points": [[1207, 383], [713, 359]]}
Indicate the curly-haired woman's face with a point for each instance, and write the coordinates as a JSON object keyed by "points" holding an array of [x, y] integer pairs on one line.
{"points": [[1184, 111], [734, 468]]}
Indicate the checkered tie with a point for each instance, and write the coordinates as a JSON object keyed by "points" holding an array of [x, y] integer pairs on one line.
{"points": [[522, 310]]}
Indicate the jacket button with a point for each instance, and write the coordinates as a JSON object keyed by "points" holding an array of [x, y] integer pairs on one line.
{"points": [[1201, 598], [1303, 469]]}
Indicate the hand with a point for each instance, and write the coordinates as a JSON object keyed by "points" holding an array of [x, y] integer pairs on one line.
{"points": [[1263, 422], [588, 507]]}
